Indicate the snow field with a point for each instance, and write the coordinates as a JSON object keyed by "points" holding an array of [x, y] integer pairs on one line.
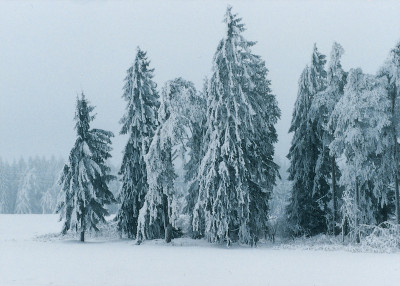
{"points": [[29, 257]]}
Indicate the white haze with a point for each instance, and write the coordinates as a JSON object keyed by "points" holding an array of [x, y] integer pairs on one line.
{"points": [[51, 51]]}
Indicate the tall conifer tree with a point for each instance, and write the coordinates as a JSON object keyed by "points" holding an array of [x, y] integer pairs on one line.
{"points": [[237, 172], [391, 72], [308, 208], [322, 107], [139, 122]]}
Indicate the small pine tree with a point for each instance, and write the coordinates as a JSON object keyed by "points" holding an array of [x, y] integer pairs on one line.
{"points": [[85, 177], [39, 167], [139, 122], [27, 188], [47, 201]]}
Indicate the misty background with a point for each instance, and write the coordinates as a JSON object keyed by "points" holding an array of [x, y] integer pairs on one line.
{"points": [[51, 51]]}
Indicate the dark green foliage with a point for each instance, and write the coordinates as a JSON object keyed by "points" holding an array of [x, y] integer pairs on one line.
{"points": [[84, 179], [309, 168], [237, 172], [139, 123]]}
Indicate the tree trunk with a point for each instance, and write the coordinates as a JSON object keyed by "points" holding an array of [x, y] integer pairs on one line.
{"points": [[83, 223], [343, 228], [168, 233], [136, 219], [334, 196], [167, 224], [357, 212]]}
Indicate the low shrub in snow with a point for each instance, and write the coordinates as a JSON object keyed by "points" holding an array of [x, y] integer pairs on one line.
{"points": [[384, 237]]}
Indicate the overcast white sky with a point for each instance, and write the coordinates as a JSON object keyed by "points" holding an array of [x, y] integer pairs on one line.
{"points": [[49, 52]]}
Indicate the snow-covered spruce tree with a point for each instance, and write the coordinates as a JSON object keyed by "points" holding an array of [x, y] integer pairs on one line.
{"points": [[38, 166], [27, 187], [157, 216], [322, 107], [48, 200], [237, 172], [391, 73], [139, 122], [361, 120], [309, 164], [197, 145], [85, 177]]}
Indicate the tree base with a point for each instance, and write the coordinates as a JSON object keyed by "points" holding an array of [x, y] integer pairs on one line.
{"points": [[168, 233]]}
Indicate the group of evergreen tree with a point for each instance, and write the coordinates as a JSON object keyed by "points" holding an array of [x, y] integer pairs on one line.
{"points": [[226, 130], [344, 158], [343, 173], [29, 186], [343, 170]]}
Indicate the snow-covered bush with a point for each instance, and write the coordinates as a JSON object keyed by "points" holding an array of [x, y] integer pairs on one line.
{"points": [[384, 237]]}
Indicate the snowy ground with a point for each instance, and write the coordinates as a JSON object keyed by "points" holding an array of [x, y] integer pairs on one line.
{"points": [[29, 258]]}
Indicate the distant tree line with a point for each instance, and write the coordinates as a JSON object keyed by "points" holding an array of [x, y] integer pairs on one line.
{"points": [[29, 186]]}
